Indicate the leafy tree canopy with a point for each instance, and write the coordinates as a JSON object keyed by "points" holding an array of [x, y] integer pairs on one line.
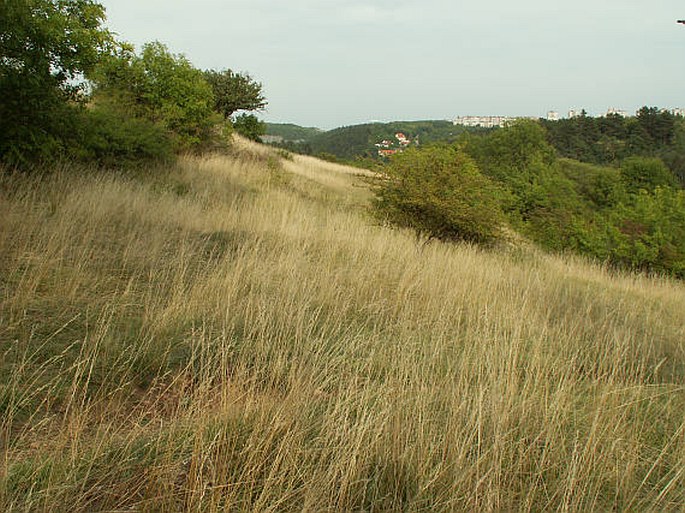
{"points": [[644, 173], [159, 86], [249, 126], [46, 48], [234, 91]]}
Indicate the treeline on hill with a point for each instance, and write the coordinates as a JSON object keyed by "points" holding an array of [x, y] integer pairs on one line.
{"points": [[630, 214], [651, 132], [358, 141], [69, 89], [290, 132]]}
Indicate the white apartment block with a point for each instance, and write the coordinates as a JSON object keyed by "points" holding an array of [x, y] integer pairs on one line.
{"points": [[615, 111], [486, 121]]}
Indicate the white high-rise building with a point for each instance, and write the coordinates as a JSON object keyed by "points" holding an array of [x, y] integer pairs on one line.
{"points": [[615, 111], [552, 115]]}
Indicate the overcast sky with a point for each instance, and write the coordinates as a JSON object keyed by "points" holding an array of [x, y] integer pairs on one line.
{"points": [[329, 63]]}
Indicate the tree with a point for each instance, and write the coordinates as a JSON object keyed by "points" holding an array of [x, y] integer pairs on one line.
{"points": [[46, 48], [658, 124], [234, 92], [649, 232], [249, 126], [439, 192], [644, 173], [159, 86], [510, 151]]}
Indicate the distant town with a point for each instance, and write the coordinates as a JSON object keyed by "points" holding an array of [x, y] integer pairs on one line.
{"points": [[552, 115], [388, 147]]}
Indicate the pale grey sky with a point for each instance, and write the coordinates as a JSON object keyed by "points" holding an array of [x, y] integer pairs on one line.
{"points": [[330, 63]]}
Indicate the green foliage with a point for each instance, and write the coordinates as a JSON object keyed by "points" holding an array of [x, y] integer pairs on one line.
{"points": [[600, 186], [649, 232], [540, 200], [353, 142], [234, 91], [643, 173], [631, 217], [111, 139], [506, 153], [290, 132], [658, 125], [610, 139], [46, 46], [249, 126], [161, 87], [439, 192]]}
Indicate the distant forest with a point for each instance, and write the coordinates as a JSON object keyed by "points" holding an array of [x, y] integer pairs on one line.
{"points": [[608, 140], [358, 141]]}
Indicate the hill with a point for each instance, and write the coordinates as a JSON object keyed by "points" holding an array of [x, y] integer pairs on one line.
{"points": [[234, 333], [288, 132], [358, 141]]}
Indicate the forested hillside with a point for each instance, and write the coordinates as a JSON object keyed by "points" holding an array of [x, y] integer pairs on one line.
{"points": [[292, 133], [630, 214], [358, 141], [652, 132]]}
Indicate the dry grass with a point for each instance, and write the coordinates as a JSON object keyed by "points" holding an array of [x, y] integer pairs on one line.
{"points": [[235, 334]]}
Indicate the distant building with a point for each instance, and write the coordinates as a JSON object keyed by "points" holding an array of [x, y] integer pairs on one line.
{"points": [[272, 139], [484, 121], [617, 112], [552, 115], [573, 113], [678, 112], [387, 153]]}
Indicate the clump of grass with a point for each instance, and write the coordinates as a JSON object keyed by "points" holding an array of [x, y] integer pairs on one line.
{"points": [[206, 337]]}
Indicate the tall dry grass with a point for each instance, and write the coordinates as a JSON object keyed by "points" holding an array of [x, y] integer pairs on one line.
{"points": [[235, 334]]}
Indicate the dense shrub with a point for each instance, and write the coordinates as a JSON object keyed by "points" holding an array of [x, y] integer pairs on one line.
{"points": [[162, 88], [439, 192], [649, 232], [111, 139], [507, 153], [644, 173], [600, 186], [249, 126]]}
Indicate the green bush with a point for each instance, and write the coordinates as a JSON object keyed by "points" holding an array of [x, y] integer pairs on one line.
{"points": [[162, 88], [644, 173], [249, 126], [439, 192], [649, 233], [508, 152], [112, 139]]}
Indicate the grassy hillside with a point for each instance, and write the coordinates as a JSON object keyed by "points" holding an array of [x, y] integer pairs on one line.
{"points": [[234, 333]]}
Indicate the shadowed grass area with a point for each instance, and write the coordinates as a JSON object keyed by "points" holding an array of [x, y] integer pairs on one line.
{"points": [[234, 333]]}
